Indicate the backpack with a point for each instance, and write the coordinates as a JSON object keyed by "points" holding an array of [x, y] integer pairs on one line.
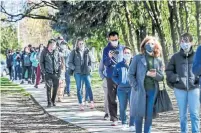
{"points": [[26, 59]]}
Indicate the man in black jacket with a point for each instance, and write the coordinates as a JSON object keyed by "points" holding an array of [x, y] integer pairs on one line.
{"points": [[50, 67]]}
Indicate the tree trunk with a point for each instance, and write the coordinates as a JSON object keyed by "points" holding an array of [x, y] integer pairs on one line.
{"points": [[125, 36], [198, 19], [187, 16], [130, 27], [156, 18], [138, 38], [181, 15], [173, 25]]}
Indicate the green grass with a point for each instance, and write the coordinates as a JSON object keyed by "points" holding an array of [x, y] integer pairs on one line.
{"points": [[9, 87]]}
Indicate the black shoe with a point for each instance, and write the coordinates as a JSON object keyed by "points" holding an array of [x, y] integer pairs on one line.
{"points": [[68, 94], [106, 117], [22, 82], [36, 86], [53, 104], [29, 82], [49, 105]]}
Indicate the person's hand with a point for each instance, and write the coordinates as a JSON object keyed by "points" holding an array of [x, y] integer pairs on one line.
{"points": [[151, 74], [110, 54]]}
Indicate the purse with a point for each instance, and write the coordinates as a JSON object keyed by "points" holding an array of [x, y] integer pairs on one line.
{"points": [[163, 102]]}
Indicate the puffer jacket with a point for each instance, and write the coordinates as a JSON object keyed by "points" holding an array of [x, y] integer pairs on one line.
{"points": [[179, 71]]}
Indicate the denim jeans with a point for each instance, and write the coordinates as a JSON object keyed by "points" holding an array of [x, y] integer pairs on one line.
{"points": [[191, 99], [18, 72], [87, 80], [124, 98], [149, 113], [67, 78]]}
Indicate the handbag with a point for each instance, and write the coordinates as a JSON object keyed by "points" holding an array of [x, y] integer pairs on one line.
{"points": [[163, 102]]}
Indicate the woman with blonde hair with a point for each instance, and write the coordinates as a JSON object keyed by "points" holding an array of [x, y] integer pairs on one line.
{"points": [[145, 71]]}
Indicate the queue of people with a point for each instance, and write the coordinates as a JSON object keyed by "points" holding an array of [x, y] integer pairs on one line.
{"points": [[134, 80]]}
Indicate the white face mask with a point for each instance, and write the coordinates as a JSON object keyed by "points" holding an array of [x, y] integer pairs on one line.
{"points": [[127, 57], [186, 47], [114, 43]]}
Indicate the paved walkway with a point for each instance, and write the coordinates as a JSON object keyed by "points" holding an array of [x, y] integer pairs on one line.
{"points": [[68, 110]]}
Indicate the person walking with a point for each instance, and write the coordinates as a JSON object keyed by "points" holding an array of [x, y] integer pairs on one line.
{"points": [[124, 89], [26, 65], [80, 64], [185, 84], [35, 63], [102, 73], [145, 72], [197, 66], [17, 60], [112, 54], [38, 71], [51, 68], [9, 62]]}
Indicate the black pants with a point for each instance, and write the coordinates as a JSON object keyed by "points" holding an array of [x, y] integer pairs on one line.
{"points": [[112, 93], [10, 72], [51, 80], [34, 72], [28, 69]]}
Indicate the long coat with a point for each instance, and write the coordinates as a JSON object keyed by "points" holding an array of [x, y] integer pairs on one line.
{"points": [[136, 74]]}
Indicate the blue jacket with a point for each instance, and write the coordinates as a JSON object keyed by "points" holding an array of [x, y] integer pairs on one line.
{"points": [[120, 75], [110, 63], [197, 63]]}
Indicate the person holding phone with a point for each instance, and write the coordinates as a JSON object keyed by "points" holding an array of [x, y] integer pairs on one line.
{"points": [[145, 72]]}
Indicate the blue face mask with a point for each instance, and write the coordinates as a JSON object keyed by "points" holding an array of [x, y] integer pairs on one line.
{"points": [[149, 48]]}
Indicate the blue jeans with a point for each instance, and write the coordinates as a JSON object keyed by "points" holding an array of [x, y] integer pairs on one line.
{"points": [[124, 98], [191, 99], [18, 72], [150, 94], [87, 80], [67, 78]]}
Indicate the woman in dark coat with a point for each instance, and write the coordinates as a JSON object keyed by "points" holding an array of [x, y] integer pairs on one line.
{"points": [[145, 71]]}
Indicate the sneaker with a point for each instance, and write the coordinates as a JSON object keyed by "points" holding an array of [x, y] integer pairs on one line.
{"points": [[59, 100], [124, 127], [132, 129], [22, 82], [68, 94], [35, 86], [114, 123], [53, 104], [29, 82], [49, 105], [81, 107], [106, 117], [92, 105]]}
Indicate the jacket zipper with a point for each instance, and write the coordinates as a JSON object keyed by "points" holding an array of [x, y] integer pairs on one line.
{"points": [[187, 83]]}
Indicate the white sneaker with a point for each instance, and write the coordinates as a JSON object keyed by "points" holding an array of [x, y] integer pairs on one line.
{"points": [[125, 127], [114, 123], [132, 129]]}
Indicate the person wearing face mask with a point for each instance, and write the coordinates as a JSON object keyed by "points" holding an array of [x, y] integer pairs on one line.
{"points": [[144, 74], [9, 62], [50, 63], [26, 65], [38, 71], [112, 54], [124, 89], [35, 63], [80, 63], [17, 59], [180, 77]]}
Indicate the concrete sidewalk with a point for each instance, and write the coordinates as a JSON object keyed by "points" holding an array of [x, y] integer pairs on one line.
{"points": [[68, 110]]}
